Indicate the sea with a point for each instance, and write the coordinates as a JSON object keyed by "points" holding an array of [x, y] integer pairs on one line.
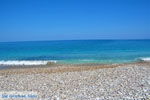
{"points": [[74, 52]]}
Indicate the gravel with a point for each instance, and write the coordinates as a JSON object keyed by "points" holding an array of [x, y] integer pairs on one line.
{"points": [[128, 82]]}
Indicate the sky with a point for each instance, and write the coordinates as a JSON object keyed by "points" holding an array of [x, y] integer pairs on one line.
{"points": [[36, 20]]}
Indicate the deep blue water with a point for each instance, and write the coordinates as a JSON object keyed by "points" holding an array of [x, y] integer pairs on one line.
{"points": [[77, 51]]}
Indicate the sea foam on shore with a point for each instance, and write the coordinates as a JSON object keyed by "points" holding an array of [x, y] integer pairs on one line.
{"points": [[147, 59], [24, 62]]}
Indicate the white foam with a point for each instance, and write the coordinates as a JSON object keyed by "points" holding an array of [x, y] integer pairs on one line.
{"points": [[147, 59], [24, 62]]}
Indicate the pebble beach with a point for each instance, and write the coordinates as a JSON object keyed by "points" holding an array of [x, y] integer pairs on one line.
{"points": [[119, 82]]}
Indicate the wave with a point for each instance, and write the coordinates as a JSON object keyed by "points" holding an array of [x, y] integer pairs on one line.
{"points": [[147, 59], [24, 62]]}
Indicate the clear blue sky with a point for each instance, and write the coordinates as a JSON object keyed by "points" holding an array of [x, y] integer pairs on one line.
{"points": [[30, 20]]}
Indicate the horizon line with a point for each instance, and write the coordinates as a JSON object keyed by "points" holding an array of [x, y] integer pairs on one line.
{"points": [[65, 40]]}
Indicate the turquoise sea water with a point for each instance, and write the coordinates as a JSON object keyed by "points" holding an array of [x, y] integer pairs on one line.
{"points": [[76, 51]]}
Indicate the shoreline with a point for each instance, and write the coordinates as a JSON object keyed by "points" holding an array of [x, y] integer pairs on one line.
{"points": [[60, 68]]}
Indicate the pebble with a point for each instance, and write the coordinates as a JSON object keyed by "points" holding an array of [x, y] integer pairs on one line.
{"points": [[120, 83]]}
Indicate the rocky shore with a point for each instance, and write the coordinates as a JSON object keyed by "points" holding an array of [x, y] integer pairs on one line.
{"points": [[109, 82]]}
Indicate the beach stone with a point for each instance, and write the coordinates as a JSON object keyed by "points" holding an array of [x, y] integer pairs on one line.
{"points": [[126, 82]]}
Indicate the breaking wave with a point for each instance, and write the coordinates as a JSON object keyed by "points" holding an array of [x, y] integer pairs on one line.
{"points": [[24, 62], [146, 59]]}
